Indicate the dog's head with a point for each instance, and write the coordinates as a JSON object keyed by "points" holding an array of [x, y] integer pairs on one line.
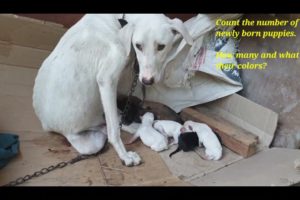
{"points": [[152, 37]]}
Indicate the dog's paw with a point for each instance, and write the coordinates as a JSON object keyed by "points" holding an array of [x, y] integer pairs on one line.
{"points": [[131, 159], [135, 157]]}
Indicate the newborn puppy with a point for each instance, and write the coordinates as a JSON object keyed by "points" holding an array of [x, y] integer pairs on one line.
{"points": [[168, 128], [162, 111], [137, 109], [134, 109], [213, 148], [149, 136], [187, 141]]}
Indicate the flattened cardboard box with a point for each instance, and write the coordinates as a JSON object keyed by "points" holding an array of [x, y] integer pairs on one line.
{"points": [[25, 43], [268, 167]]}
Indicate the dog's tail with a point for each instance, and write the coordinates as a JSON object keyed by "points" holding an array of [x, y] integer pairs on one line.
{"points": [[176, 151]]}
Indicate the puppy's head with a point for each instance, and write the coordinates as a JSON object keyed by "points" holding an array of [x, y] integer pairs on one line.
{"points": [[187, 126], [153, 37], [148, 117]]}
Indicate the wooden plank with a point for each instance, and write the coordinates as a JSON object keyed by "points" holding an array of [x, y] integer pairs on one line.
{"points": [[233, 137], [28, 32], [242, 112]]}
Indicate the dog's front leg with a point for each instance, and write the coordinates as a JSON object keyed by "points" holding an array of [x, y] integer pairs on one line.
{"points": [[108, 91]]}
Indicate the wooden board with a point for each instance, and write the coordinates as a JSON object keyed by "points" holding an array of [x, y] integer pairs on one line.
{"points": [[233, 137]]}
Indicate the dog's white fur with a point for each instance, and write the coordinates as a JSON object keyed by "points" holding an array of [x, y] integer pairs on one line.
{"points": [[213, 148], [168, 128], [149, 136], [78, 81], [156, 29]]}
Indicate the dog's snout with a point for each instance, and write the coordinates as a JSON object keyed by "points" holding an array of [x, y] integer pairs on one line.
{"points": [[146, 81]]}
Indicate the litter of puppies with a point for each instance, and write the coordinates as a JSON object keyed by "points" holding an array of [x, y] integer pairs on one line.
{"points": [[156, 133]]}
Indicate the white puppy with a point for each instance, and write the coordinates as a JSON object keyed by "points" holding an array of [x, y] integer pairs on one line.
{"points": [[213, 148], [168, 128], [149, 136]]}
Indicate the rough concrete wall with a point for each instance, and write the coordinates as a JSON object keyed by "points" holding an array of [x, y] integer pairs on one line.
{"points": [[277, 87]]}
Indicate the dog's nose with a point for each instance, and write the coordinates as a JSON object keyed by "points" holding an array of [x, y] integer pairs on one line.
{"points": [[148, 81]]}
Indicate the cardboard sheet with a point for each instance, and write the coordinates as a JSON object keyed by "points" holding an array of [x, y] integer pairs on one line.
{"points": [[29, 32], [39, 149], [24, 43]]}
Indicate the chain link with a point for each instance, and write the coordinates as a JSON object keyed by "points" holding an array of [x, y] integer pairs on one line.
{"points": [[43, 171], [131, 91], [132, 88]]}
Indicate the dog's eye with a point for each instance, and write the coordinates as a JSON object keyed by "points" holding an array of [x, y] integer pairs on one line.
{"points": [[160, 47], [138, 46]]}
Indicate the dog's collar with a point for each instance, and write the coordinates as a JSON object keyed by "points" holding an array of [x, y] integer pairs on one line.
{"points": [[123, 21]]}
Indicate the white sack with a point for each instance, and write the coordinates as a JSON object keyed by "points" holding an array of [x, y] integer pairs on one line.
{"points": [[191, 75]]}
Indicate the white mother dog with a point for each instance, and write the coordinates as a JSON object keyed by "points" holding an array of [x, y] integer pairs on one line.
{"points": [[78, 81]]}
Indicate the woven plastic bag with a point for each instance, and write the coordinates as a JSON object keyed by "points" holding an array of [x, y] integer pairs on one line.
{"points": [[191, 76]]}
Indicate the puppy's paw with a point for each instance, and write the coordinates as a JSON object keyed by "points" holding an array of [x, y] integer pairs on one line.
{"points": [[209, 157], [174, 142], [159, 148], [213, 155], [131, 159]]}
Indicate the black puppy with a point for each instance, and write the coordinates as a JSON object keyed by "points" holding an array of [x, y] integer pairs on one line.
{"points": [[187, 141], [134, 109]]}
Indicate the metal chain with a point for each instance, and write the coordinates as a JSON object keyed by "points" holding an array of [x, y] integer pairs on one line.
{"points": [[43, 171], [133, 86]]}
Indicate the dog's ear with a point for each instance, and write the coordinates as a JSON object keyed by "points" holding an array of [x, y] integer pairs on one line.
{"points": [[182, 130], [177, 26], [125, 35]]}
